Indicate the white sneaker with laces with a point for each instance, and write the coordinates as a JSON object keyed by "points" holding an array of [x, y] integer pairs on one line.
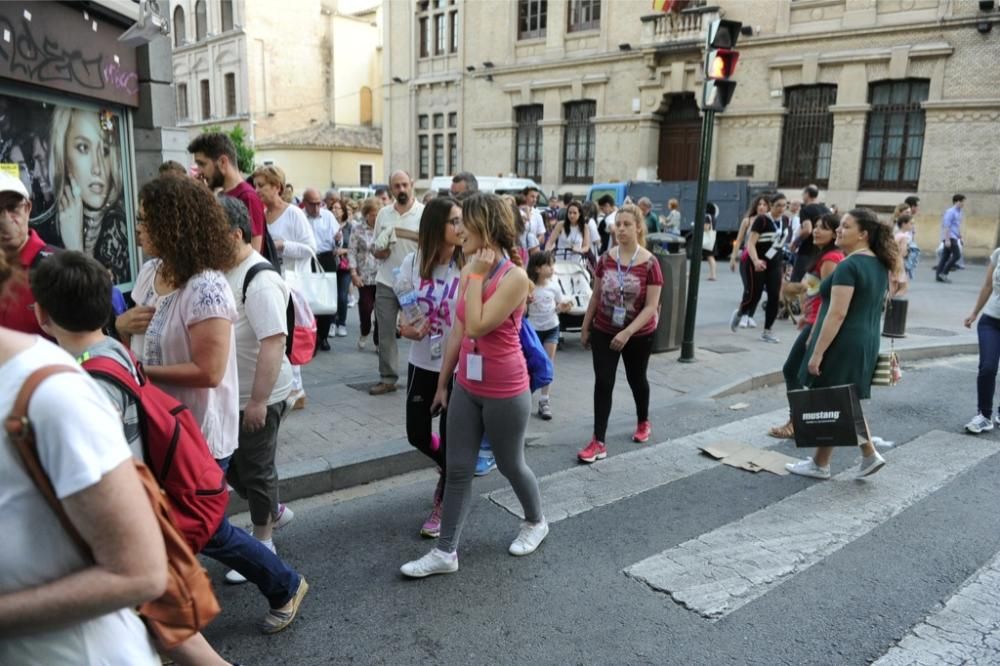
{"points": [[341, 331], [745, 322], [751, 323], [529, 538], [434, 562], [979, 424], [809, 468], [285, 516], [869, 465]]}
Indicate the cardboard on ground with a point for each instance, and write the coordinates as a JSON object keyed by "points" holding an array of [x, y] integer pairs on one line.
{"points": [[746, 457]]}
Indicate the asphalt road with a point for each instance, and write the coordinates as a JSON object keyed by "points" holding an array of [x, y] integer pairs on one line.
{"points": [[572, 603]]}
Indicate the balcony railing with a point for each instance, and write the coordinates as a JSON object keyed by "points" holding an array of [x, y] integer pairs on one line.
{"points": [[687, 25]]}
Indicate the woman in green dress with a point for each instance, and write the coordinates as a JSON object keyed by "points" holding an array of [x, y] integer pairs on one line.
{"points": [[844, 344]]}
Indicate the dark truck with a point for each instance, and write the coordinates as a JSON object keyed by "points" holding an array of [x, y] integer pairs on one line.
{"points": [[732, 197]]}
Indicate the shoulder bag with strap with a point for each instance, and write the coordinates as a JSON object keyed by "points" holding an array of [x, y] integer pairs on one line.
{"points": [[188, 604]]}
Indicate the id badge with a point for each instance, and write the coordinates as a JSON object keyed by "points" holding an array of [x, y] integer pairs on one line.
{"points": [[772, 253], [436, 347], [474, 367], [618, 315]]}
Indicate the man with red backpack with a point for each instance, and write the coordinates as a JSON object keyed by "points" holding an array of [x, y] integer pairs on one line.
{"points": [[73, 297]]}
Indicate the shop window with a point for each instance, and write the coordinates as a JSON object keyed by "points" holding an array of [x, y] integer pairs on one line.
{"points": [[230, 81], [182, 102], [531, 18], [179, 27], [200, 20], [206, 100], [584, 15], [528, 148], [807, 137], [894, 135], [226, 10], [579, 141]]}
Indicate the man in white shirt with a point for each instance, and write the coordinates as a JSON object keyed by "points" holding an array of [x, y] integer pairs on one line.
{"points": [[396, 233], [325, 227], [536, 224], [265, 378]]}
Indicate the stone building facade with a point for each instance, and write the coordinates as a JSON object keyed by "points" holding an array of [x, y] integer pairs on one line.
{"points": [[301, 68], [874, 100]]}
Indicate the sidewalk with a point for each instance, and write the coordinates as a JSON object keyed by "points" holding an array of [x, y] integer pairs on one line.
{"points": [[344, 437]]}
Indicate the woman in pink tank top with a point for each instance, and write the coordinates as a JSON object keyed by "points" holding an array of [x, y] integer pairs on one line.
{"points": [[491, 395]]}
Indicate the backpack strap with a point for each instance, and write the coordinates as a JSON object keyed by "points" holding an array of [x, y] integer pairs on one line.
{"points": [[252, 272], [22, 435]]}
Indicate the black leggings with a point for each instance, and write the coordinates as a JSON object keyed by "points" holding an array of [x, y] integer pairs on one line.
{"points": [[421, 385], [755, 282], [636, 356]]}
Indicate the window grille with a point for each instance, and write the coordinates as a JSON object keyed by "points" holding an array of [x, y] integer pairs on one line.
{"points": [[807, 137], [578, 147], [894, 135], [528, 151]]}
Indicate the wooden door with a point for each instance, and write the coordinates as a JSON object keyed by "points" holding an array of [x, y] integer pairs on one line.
{"points": [[680, 133]]}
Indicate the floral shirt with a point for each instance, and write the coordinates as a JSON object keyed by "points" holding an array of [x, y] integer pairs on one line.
{"points": [[360, 255]]}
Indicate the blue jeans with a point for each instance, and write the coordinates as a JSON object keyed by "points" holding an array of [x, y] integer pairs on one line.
{"points": [[988, 330], [238, 550]]}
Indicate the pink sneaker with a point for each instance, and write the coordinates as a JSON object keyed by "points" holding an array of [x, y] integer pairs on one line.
{"points": [[594, 451], [642, 432], [432, 526], [435, 441]]}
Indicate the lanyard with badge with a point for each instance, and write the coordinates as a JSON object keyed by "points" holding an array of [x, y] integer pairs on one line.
{"points": [[474, 360], [618, 314], [437, 339], [779, 239]]}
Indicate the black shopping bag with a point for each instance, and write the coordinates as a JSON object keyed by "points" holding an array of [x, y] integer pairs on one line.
{"points": [[895, 318], [828, 416]]}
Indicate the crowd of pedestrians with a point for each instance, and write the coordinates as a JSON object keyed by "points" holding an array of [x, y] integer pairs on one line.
{"points": [[462, 276]]}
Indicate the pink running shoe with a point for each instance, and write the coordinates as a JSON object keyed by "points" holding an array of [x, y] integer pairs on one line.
{"points": [[432, 526], [642, 432], [435, 441], [594, 451]]}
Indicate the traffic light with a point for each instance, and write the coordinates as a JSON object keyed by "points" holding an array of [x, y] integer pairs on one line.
{"points": [[720, 64]]}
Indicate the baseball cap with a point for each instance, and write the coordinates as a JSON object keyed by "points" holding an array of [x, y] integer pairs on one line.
{"points": [[9, 183]]}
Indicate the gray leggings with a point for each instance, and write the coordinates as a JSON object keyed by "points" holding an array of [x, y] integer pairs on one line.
{"points": [[504, 422]]}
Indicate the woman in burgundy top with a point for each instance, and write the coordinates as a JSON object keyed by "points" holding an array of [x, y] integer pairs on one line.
{"points": [[620, 322], [491, 395]]}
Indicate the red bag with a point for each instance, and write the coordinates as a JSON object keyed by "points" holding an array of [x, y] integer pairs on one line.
{"points": [[175, 450]]}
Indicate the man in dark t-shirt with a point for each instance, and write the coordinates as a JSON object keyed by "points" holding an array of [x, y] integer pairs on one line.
{"points": [[810, 213]]}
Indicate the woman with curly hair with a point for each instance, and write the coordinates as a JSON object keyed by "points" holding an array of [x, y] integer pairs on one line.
{"points": [[843, 347]]}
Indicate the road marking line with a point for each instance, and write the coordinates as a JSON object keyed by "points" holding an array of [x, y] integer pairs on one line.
{"points": [[580, 489], [722, 570], [965, 631]]}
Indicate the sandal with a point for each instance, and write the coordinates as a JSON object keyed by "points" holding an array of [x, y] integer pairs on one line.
{"points": [[786, 431]]}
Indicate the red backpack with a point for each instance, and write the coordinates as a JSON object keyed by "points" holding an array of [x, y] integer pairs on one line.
{"points": [[175, 450]]}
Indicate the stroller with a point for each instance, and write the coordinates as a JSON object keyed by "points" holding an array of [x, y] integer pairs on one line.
{"points": [[572, 275]]}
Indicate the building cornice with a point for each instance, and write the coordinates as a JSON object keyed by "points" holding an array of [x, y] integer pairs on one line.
{"points": [[566, 82], [586, 59], [947, 104], [867, 32], [926, 50]]}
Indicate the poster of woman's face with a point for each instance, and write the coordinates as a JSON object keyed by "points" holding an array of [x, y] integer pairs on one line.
{"points": [[70, 160]]}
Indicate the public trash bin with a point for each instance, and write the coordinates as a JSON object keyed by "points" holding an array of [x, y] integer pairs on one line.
{"points": [[669, 251]]}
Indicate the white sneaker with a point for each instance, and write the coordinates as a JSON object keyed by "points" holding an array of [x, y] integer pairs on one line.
{"points": [[745, 322], [751, 323], [979, 424], [434, 562], [808, 468], [529, 538], [234, 577], [341, 331], [285, 516], [880, 443], [869, 465], [362, 342], [768, 336]]}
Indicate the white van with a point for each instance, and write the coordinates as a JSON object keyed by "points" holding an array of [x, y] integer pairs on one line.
{"points": [[496, 185], [356, 193]]}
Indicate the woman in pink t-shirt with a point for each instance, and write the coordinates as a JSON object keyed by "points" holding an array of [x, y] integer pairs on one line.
{"points": [[491, 396], [620, 322]]}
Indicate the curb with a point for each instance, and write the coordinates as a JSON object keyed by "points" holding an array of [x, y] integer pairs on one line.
{"points": [[305, 478]]}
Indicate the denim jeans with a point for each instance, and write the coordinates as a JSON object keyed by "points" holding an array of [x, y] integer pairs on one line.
{"points": [[238, 550], [343, 290], [988, 330]]}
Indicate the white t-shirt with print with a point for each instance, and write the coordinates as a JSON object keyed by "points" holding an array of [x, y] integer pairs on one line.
{"points": [[437, 298], [167, 341], [262, 315], [80, 439], [293, 227], [543, 309]]}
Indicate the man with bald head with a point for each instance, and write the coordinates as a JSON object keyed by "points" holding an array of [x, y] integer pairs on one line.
{"points": [[396, 229], [325, 227]]}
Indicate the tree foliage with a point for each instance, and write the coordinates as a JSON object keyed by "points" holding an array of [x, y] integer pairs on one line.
{"points": [[244, 151]]}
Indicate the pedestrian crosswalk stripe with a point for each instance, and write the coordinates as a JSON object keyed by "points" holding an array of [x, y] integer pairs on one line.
{"points": [[722, 570], [580, 489], [965, 631]]}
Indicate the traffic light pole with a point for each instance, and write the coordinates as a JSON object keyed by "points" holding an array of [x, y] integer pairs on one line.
{"points": [[697, 234]]}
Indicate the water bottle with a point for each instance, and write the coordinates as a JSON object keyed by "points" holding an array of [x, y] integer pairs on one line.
{"points": [[406, 293]]}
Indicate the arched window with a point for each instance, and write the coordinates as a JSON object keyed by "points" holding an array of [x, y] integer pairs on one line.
{"points": [[180, 28], [227, 14], [200, 20]]}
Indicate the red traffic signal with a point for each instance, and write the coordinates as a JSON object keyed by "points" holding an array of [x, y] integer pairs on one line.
{"points": [[721, 64]]}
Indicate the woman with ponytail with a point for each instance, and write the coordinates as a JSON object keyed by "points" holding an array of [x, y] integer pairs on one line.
{"points": [[844, 344], [491, 394]]}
